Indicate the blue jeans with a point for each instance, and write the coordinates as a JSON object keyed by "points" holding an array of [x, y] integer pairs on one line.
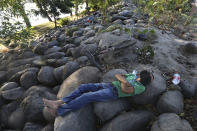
{"points": [[85, 94]]}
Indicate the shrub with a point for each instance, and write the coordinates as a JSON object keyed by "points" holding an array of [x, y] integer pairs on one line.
{"points": [[64, 21]]}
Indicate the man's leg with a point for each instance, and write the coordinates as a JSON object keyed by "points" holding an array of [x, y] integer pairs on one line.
{"points": [[83, 88], [100, 95]]}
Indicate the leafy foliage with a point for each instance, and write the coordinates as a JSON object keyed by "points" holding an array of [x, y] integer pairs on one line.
{"points": [[64, 21], [166, 12], [15, 32]]}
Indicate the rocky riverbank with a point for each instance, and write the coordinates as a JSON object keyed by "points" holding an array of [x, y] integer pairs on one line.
{"points": [[59, 61]]}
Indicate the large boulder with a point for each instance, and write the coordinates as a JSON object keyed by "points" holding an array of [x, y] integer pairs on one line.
{"points": [[171, 101], [58, 73], [46, 77], [32, 127], [6, 111], [55, 55], [171, 122], [83, 75], [107, 110], [28, 79], [32, 103], [16, 77], [108, 40], [153, 91], [79, 120], [188, 88], [39, 49], [48, 127], [3, 77], [9, 86], [53, 50], [17, 119], [69, 68], [131, 121], [53, 43], [13, 94], [82, 119]]}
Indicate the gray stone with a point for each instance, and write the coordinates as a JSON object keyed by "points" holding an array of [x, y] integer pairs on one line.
{"points": [[152, 92], [52, 50], [46, 76], [88, 49], [90, 33], [39, 49], [129, 21], [82, 60], [117, 21], [78, 33], [13, 94], [58, 73], [116, 17], [62, 61], [188, 89], [108, 39], [27, 54], [32, 127], [110, 75], [28, 79], [53, 43], [190, 48], [170, 101], [79, 120], [16, 77], [78, 40], [6, 111], [69, 68], [107, 110], [56, 89], [131, 121], [3, 77], [62, 38], [77, 78], [171, 122], [32, 103], [47, 115], [55, 55], [9, 86], [48, 127], [126, 13], [17, 119]]}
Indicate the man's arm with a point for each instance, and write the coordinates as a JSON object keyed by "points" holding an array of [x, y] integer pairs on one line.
{"points": [[125, 86]]}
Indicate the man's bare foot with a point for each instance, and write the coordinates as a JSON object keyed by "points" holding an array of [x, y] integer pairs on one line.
{"points": [[51, 104]]}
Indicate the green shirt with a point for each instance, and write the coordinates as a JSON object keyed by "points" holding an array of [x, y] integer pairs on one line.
{"points": [[138, 87]]}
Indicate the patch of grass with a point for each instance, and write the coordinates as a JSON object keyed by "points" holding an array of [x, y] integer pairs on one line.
{"points": [[43, 28]]}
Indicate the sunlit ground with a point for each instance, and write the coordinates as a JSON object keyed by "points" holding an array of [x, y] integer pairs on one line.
{"points": [[3, 49]]}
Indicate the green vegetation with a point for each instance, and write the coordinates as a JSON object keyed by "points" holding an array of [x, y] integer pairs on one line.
{"points": [[146, 54], [14, 32], [166, 12], [64, 21]]}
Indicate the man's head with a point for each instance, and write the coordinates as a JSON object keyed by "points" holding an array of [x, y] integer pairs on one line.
{"points": [[146, 77]]}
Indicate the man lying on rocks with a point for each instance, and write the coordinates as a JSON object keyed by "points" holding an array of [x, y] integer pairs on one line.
{"points": [[126, 85]]}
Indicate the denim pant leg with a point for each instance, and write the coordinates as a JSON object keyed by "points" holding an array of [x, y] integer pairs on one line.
{"points": [[100, 95], [83, 88]]}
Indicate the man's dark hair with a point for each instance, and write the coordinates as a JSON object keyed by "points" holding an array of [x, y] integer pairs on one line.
{"points": [[145, 77]]}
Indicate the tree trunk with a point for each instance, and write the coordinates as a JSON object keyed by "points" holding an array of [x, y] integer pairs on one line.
{"points": [[55, 21], [23, 14]]}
